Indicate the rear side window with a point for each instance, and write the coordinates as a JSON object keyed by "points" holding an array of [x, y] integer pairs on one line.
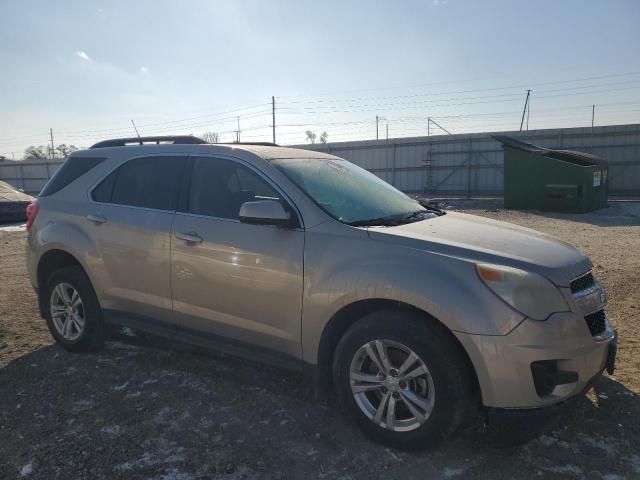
{"points": [[73, 168], [149, 182]]}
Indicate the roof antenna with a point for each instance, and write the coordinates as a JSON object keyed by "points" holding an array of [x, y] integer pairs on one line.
{"points": [[134, 127]]}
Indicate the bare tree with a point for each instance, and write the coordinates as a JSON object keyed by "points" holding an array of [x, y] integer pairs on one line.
{"points": [[36, 153], [310, 136], [42, 153], [210, 137], [323, 137], [65, 150]]}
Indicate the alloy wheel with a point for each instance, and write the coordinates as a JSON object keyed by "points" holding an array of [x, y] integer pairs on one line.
{"points": [[67, 311], [391, 385]]}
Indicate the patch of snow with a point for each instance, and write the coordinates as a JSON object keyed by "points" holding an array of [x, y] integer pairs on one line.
{"points": [[121, 387], [14, 227], [634, 460], [26, 470], [122, 345], [175, 474], [112, 429], [450, 472], [571, 469], [603, 444], [127, 332], [546, 440]]}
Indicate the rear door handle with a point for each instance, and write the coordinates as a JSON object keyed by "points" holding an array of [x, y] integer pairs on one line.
{"points": [[96, 218], [190, 237]]}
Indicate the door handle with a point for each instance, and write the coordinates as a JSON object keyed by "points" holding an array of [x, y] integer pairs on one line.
{"points": [[190, 237], [96, 218]]}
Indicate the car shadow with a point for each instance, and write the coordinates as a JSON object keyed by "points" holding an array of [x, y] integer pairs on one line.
{"points": [[146, 405]]}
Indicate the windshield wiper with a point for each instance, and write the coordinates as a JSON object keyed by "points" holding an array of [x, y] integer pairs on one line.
{"points": [[419, 215], [381, 221]]}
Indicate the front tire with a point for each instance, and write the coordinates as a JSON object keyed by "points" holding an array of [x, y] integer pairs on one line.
{"points": [[403, 379], [72, 310]]}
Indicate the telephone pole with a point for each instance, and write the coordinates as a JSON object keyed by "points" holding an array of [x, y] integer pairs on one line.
{"points": [[273, 117], [53, 152], [376, 127], [238, 130], [526, 104]]}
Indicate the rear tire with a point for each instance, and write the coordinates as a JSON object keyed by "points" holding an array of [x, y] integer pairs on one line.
{"points": [[427, 407], [72, 310]]}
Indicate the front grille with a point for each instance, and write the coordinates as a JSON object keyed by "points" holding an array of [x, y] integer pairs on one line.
{"points": [[582, 283], [597, 322]]}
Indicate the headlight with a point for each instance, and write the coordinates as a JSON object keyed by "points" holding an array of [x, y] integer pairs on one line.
{"points": [[529, 293]]}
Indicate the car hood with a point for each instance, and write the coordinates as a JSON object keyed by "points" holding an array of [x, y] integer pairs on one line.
{"points": [[481, 239]]}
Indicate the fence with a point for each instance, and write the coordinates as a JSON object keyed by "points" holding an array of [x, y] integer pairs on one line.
{"points": [[472, 164], [28, 175], [465, 164]]}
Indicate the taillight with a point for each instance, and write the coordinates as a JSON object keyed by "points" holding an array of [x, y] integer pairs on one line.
{"points": [[32, 212]]}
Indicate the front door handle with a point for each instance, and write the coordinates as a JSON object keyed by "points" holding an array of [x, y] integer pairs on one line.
{"points": [[96, 218], [190, 237]]}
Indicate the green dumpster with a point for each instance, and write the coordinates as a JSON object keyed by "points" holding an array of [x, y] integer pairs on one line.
{"points": [[552, 180]]}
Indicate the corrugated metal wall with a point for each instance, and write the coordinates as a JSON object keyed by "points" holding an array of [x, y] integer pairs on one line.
{"points": [[29, 176], [472, 164], [467, 164]]}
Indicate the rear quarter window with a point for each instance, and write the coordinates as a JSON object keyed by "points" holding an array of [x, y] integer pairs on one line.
{"points": [[70, 170], [149, 182]]}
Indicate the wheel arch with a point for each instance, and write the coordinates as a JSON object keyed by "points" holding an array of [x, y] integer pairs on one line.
{"points": [[51, 261], [348, 315]]}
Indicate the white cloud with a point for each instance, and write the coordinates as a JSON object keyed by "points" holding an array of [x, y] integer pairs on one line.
{"points": [[83, 56], [144, 69]]}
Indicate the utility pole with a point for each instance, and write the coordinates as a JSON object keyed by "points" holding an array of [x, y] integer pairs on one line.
{"points": [[238, 131], [428, 126], [134, 127], [273, 117], [376, 127], [528, 112], [526, 104], [593, 117], [53, 152], [387, 131]]}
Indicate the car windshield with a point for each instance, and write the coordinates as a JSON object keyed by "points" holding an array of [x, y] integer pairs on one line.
{"points": [[351, 194]]}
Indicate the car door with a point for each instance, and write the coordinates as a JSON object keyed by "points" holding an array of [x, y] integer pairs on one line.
{"points": [[231, 279], [130, 222]]}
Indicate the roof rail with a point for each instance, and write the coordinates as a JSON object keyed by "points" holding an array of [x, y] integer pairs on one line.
{"points": [[258, 144], [174, 139]]}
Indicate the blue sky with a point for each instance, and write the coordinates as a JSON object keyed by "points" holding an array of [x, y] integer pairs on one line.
{"points": [[86, 68]]}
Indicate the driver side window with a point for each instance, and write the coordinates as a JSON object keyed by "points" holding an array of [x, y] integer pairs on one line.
{"points": [[219, 187]]}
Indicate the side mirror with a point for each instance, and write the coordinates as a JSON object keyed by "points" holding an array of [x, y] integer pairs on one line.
{"points": [[265, 212]]}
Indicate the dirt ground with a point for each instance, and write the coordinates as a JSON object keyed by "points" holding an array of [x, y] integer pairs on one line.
{"points": [[144, 408]]}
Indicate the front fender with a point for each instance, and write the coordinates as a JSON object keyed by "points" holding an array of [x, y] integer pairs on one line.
{"points": [[340, 271]]}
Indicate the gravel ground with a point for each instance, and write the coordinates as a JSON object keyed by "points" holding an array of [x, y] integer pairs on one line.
{"points": [[144, 408]]}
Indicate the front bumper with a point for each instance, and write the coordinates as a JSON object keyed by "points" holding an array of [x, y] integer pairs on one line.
{"points": [[513, 426], [503, 363]]}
